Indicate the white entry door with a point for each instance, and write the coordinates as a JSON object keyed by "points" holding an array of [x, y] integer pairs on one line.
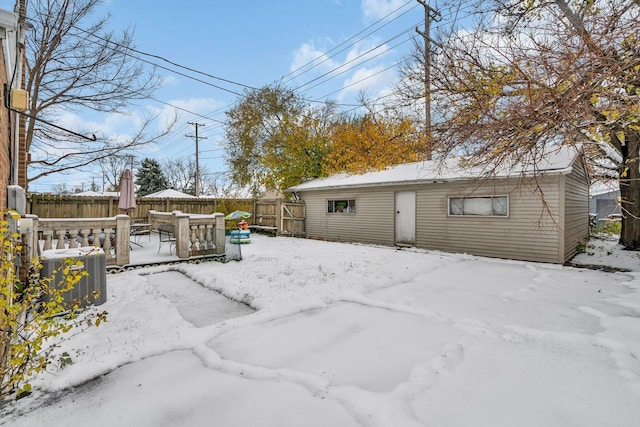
{"points": [[406, 218]]}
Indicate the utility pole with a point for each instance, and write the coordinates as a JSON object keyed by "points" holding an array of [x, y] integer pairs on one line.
{"points": [[197, 138], [429, 14]]}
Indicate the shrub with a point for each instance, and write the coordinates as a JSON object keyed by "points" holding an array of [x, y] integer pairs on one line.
{"points": [[32, 313], [581, 247], [612, 227]]}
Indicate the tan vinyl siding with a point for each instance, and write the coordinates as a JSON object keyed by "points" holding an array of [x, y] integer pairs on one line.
{"points": [[527, 233], [576, 209], [532, 231], [373, 221]]}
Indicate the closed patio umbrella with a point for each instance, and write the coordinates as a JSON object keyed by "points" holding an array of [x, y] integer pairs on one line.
{"points": [[127, 201]]}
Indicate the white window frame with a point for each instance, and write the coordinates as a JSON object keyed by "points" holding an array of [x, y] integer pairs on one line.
{"points": [[350, 209], [491, 197]]}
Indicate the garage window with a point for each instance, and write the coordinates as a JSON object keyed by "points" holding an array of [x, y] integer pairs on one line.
{"points": [[341, 206], [479, 206]]}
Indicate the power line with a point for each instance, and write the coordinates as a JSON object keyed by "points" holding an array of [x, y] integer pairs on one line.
{"points": [[175, 64], [361, 80], [219, 78], [456, 17], [348, 40], [146, 61], [162, 58], [185, 110], [351, 68], [251, 87], [355, 59]]}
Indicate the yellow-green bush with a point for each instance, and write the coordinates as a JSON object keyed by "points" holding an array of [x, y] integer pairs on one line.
{"points": [[28, 320], [612, 227]]}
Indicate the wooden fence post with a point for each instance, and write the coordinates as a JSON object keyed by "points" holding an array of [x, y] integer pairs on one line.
{"points": [[279, 223]]}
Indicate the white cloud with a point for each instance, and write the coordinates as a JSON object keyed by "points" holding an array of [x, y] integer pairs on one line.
{"points": [[366, 50], [123, 127], [204, 106], [169, 81], [373, 82], [308, 53], [376, 9]]}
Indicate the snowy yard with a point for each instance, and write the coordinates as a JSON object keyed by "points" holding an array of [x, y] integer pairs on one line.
{"points": [[354, 335]]}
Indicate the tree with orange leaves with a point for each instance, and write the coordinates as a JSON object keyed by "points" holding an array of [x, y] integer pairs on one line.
{"points": [[371, 142]]}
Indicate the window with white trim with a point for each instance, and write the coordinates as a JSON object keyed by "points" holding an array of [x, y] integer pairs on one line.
{"points": [[479, 206], [341, 206]]}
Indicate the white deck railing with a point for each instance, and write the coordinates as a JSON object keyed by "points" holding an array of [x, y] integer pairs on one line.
{"points": [[195, 235]]}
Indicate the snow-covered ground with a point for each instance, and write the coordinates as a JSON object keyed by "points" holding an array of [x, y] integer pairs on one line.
{"points": [[354, 335], [605, 251]]}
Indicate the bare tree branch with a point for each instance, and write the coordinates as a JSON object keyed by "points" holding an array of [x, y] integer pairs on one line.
{"points": [[538, 74], [70, 71]]}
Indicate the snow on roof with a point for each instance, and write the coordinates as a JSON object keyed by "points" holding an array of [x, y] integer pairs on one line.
{"points": [[170, 194], [598, 188], [558, 161], [96, 194]]}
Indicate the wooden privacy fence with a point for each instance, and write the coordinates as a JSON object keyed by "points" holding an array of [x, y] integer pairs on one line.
{"points": [[70, 206], [284, 217]]}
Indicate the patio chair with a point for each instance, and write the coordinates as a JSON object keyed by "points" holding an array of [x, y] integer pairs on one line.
{"points": [[166, 235]]}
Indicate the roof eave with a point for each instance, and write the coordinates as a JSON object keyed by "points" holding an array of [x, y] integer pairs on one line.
{"points": [[564, 171]]}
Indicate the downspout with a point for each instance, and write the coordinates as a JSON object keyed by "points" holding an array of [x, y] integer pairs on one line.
{"points": [[13, 139], [17, 81]]}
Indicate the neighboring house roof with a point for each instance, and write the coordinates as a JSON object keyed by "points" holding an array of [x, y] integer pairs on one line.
{"points": [[96, 194], [170, 194], [599, 188], [558, 161]]}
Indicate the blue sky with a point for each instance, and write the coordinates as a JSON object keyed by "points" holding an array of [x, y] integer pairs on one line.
{"points": [[253, 43]]}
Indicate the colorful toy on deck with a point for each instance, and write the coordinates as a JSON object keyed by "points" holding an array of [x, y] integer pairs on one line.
{"points": [[240, 236]]}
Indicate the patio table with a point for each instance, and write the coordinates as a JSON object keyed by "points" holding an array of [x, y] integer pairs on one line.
{"points": [[138, 229]]}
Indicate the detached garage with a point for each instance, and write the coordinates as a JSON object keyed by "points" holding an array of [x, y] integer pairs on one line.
{"points": [[537, 212]]}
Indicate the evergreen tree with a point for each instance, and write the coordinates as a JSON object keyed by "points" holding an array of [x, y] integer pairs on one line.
{"points": [[150, 178]]}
